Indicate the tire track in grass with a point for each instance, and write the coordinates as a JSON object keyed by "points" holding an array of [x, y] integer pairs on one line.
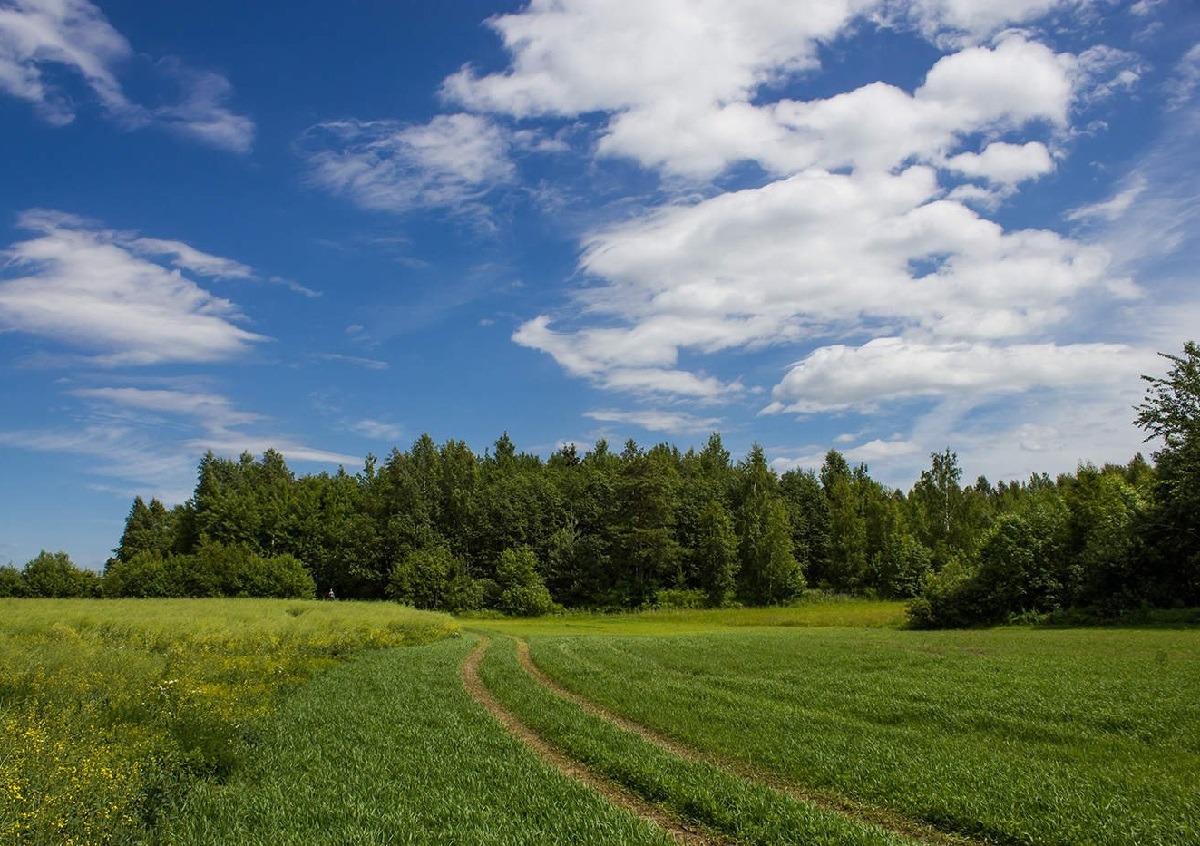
{"points": [[891, 822], [679, 831]]}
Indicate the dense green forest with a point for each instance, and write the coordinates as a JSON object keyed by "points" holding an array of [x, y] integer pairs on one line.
{"points": [[441, 527]]}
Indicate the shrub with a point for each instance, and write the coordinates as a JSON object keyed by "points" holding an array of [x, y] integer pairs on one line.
{"points": [[433, 578], [523, 593], [144, 574], [215, 570], [950, 599], [12, 583], [52, 574], [681, 598]]}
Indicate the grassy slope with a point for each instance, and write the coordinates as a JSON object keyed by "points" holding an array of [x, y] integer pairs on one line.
{"points": [[1065, 736], [748, 812], [389, 748], [112, 709]]}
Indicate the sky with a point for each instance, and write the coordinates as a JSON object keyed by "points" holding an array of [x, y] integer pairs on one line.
{"points": [[887, 227]]}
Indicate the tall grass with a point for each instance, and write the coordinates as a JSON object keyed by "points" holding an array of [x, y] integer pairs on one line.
{"points": [[112, 710]]}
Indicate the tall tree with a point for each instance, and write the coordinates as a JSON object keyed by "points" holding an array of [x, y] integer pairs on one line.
{"points": [[939, 506], [809, 515], [1171, 411], [646, 553], [769, 573], [148, 528], [846, 567], [716, 553]]}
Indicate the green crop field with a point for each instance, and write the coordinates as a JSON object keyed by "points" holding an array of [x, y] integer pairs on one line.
{"points": [[391, 749], [220, 721], [1012, 735]]}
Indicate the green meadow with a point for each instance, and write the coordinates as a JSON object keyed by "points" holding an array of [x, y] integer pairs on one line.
{"points": [[274, 721], [113, 710]]}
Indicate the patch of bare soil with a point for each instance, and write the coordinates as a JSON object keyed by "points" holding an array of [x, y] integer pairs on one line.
{"points": [[881, 817], [678, 830]]}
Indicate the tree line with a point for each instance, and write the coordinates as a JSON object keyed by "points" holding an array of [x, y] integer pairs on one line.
{"points": [[438, 526]]}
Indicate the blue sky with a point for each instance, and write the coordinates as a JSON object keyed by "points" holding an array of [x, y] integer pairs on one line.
{"points": [[879, 226]]}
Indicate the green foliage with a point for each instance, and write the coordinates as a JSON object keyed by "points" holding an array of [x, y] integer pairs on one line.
{"points": [[940, 509], [614, 530], [846, 565], [808, 512], [12, 582], [716, 554], [950, 599], [522, 592], [1171, 411], [53, 575], [219, 570], [902, 566], [681, 598], [768, 573], [433, 578], [148, 528], [141, 574], [646, 554]]}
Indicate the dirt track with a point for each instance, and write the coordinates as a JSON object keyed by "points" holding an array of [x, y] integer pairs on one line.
{"points": [[887, 820], [679, 831]]}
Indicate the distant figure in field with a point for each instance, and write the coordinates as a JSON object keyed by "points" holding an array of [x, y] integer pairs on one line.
{"points": [[331, 594]]}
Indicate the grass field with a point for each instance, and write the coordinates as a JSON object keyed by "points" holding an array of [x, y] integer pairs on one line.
{"points": [[391, 749], [748, 812], [112, 709], [818, 613], [1014, 735], [217, 721]]}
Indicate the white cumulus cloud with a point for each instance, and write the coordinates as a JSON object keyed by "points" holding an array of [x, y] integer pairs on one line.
{"points": [[838, 377]]}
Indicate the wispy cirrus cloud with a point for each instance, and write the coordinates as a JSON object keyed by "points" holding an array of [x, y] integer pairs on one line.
{"points": [[356, 360], [658, 421], [377, 430], [451, 162], [214, 411], [41, 38], [147, 440], [99, 291]]}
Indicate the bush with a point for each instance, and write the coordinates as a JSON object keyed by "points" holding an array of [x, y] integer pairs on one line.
{"points": [[901, 568], [433, 578], [681, 598], [215, 570], [12, 583], [950, 599], [52, 574], [145, 574], [523, 593]]}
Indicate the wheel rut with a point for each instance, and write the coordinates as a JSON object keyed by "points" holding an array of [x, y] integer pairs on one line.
{"points": [[891, 822], [678, 830]]}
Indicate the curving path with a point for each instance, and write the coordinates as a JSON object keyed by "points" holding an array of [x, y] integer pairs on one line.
{"points": [[887, 820], [679, 831]]}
